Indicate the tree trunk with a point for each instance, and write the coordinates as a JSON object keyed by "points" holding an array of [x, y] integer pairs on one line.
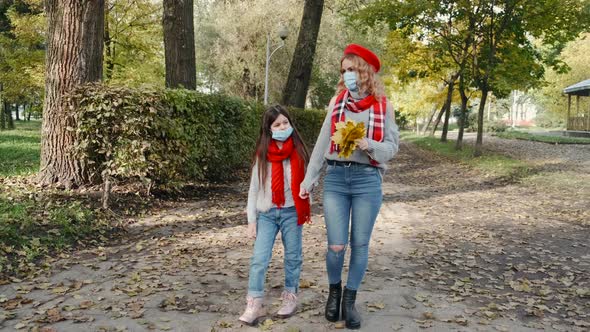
{"points": [[16, 113], [106, 191], [3, 105], [109, 47], [179, 44], [74, 56], [489, 115], [2, 121], [480, 113], [8, 116], [463, 115], [425, 127], [438, 118], [513, 109], [445, 131], [295, 90]]}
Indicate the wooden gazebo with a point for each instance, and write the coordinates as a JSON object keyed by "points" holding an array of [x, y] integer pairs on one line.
{"points": [[580, 120]]}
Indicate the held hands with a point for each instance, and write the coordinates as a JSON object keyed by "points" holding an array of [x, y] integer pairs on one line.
{"points": [[303, 193], [251, 232], [362, 143]]}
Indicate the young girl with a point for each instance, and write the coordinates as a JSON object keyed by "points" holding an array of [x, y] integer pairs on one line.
{"points": [[274, 205]]}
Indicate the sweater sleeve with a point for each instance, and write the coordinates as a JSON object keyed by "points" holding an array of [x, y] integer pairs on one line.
{"points": [[382, 152], [317, 160], [252, 195]]}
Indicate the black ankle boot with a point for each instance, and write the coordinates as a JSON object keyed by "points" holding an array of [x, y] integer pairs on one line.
{"points": [[333, 304], [351, 317]]}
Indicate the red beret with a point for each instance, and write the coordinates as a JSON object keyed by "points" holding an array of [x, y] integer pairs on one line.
{"points": [[365, 54]]}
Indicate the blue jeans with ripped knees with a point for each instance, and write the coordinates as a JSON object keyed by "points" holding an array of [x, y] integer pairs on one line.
{"points": [[352, 199], [267, 226]]}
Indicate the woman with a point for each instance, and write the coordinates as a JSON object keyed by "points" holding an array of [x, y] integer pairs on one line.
{"points": [[352, 186]]}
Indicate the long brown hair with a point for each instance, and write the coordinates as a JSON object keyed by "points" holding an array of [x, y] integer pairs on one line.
{"points": [[265, 138], [369, 81]]}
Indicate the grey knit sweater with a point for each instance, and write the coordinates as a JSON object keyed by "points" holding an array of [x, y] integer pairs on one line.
{"points": [[381, 152]]}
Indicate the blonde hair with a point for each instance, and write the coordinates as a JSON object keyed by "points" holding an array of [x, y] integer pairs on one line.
{"points": [[369, 81]]}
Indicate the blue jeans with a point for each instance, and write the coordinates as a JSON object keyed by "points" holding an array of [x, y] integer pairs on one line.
{"points": [[268, 225], [352, 199]]}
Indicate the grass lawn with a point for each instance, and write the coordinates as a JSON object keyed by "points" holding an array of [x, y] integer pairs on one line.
{"points": [[552, 139], [35, 223], [492, 164], [20, 149]]}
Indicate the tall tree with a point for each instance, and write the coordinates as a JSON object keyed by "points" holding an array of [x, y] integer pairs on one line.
{"points": [[134, 52], [22, 51], [179, 44], [445, 30], [510, 29], [74, 56], [550, 97], [445, 109], [486, 37], [295, 91]]}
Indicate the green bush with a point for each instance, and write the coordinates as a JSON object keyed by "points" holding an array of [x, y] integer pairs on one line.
{"points": [[126, 133], [469, 118], [471, 122], [308, 122], [497, 126], [546, 119], [220, 132], [402, 120], [472, 118], [164, 136]]}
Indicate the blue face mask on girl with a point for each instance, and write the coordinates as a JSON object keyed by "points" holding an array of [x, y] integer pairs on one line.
{"points": [[282, 135], [349, 78]]}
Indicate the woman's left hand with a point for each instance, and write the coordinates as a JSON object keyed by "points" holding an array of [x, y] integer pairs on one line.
{"points": [[303, 193], [362, 143]]}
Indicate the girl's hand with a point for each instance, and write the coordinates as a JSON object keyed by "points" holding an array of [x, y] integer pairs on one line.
{"points": [[303, 194], [251, 232], [362, 143]]}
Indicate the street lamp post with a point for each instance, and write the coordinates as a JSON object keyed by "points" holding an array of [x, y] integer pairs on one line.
{"points": [[283, 32]]}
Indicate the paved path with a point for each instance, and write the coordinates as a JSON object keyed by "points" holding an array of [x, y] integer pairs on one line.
{"points": [[441, 260], [566, 156]]}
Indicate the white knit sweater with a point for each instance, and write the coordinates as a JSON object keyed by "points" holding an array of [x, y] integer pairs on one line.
{"points": [[260, 199]]}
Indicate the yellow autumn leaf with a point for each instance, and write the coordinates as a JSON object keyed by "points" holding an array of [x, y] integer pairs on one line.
{"points": [[346, 135]]}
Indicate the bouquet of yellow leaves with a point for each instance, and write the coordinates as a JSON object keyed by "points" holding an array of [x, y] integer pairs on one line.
{"points": [[346, 135]]}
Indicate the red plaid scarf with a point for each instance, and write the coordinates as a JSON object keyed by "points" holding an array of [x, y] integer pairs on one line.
{"points": [[376, 116]]}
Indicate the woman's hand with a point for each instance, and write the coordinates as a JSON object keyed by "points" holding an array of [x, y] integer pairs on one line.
{"points": [[303, 193], [362, 143], [251, 232]]}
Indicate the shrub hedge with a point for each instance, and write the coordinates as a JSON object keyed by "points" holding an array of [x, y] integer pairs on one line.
{"points": [[166, 136]]}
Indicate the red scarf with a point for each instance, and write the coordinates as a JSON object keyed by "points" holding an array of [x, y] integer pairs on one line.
{"points": [[376, 115], [276, 157]]}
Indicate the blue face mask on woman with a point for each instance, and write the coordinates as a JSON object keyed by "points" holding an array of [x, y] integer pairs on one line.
{"points": [[349, 79], [282, 135]]}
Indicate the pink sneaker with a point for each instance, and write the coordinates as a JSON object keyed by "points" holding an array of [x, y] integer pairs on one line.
{"points": [[254, 311], [289, 305]]}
